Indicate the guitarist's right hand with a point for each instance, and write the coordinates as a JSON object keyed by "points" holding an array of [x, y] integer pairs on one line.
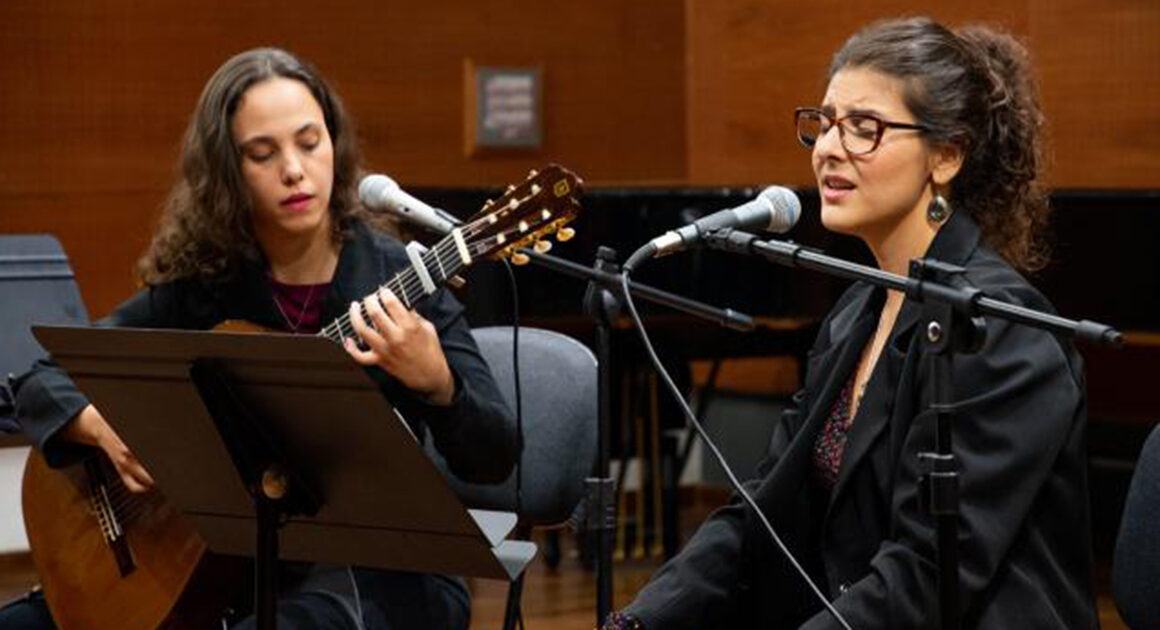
{"points": [[89, 427]]}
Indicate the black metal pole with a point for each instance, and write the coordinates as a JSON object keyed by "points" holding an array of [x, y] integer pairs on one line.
{"points": [[944, 494], [940, 484], [602, 305], [266, 563], [603, 308], [610, 280]]}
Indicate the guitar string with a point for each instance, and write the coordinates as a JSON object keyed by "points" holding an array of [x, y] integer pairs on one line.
{"points": [[443, 252], [129, 514], [443, 256], [409, 287], [125, 505], [469, 231], [342, 324]]}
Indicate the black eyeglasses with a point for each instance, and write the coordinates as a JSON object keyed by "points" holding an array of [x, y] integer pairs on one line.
{"points": [[859, 133]]}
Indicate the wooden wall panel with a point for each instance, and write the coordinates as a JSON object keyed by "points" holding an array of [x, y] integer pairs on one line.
{"points": [[94, 97], [1099, 64], [752, 61]]}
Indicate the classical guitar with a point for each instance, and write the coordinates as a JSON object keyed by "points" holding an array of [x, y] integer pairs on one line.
{"points": [[111, 559], [543, 204]]}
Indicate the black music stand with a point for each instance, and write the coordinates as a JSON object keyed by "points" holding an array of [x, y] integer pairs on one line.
{"points": [[259, 432]]}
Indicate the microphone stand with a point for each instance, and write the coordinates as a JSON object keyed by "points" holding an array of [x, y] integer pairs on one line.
{"points": [[602, 303], [953, 314]]}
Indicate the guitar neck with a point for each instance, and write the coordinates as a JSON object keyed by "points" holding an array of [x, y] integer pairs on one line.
{"points": [[542, 204], [429, 270]]}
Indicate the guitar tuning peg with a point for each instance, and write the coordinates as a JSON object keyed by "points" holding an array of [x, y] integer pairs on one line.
{"points": [[535, 189], [532, 173], [565, 234], [520, 258], [487, 204], [510, 188], [542, 247]]}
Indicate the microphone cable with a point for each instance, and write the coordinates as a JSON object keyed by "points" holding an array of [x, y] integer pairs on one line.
{"points": [[692, 421], [519, 406], [516, 382]]}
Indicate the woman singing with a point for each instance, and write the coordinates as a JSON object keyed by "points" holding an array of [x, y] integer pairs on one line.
{"points": [[926, 144]]}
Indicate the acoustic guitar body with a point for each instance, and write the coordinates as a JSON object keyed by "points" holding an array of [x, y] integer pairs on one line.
{"points": [[153, 572]]}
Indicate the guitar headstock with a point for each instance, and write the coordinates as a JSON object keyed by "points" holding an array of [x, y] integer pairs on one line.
{"points": [[541, 205]]}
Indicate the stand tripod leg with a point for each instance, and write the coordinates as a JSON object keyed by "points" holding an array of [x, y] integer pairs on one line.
{"points": [[511, 614]]}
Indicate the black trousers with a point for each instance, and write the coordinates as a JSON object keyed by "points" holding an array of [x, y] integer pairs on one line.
{"points": [[327, 597], [27, 613]]}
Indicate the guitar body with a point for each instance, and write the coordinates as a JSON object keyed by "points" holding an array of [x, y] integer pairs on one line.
{"points": [[158, 574]]}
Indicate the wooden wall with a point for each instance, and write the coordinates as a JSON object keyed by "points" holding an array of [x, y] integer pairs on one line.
{"points": [[752, 61], [94, 95]]}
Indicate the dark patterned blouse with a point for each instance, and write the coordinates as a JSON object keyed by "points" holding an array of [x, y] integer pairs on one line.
{"points": [[831, 442]]}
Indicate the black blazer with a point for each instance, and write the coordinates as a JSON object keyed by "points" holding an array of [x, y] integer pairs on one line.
{"points": [[476, 433], [1018, 435]]}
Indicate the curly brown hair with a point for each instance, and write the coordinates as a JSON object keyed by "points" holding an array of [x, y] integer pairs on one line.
{"points": [[972, 89], [205, 229]]}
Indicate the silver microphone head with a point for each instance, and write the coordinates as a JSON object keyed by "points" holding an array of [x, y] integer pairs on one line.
{"points": [[784, 208], [371, 189]]}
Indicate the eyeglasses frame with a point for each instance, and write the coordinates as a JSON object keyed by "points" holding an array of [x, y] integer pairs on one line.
{"points": [[882, 126]]}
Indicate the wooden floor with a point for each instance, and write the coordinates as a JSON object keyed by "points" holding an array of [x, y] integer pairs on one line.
{"points": [[562, 599]]}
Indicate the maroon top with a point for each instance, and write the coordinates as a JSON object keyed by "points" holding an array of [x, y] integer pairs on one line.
{"points": [[300, 305], [831, 443]]}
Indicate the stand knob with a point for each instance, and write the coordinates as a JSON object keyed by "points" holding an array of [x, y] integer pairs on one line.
{"points": [[274, 483]]}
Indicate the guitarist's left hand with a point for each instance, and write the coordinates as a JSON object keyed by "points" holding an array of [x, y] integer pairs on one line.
{"points": [[404, 344]]}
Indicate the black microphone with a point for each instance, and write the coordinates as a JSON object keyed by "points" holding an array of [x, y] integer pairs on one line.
{"points": [[775, 209], [379, 192]]}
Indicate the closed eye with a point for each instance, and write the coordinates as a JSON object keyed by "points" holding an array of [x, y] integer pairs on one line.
{"points": [[258, 154]]}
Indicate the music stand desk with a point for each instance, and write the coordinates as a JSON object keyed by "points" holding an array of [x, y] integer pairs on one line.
{"points": [[382, 502]]}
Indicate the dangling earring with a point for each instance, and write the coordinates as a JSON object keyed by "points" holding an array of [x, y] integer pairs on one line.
{"points": [[938, 210]]}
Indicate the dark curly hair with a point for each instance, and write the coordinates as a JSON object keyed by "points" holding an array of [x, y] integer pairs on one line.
{"points": [[972, 89], [205, 228]]}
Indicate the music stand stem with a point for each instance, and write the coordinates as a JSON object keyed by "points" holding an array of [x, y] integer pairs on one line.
{"points": [[263, 470]]}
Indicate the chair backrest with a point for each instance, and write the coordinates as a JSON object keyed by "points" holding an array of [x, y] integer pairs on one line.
{"points": [[558, 385], [36, 287], [1136, 565]]}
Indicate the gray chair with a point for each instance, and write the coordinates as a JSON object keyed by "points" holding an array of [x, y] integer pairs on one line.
{"points": [[1136, 565], [38, 287], [558, 385]]}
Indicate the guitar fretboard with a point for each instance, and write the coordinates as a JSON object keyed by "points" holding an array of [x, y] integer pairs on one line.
{"points": [[541, 205], [440, 262]]}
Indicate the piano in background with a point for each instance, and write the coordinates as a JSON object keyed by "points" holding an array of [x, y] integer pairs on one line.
{"points": [[1105, 267]]}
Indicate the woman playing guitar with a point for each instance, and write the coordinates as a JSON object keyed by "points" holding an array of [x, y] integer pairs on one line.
{"points": [[264, 225]]}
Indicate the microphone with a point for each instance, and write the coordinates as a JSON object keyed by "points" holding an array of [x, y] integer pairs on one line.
{"points": [[379, 192], [776, 209]]}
